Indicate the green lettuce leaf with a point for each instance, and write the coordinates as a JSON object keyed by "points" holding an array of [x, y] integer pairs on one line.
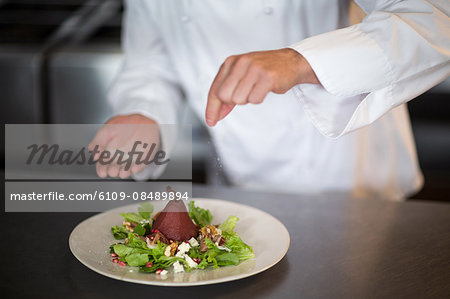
{"points": [[136, 242], [226, 259], [122, 250], [137, 259], [237, 246], [229, 224], [119, 233], [158, 251], [201, 216], [140, 230], [145, 210], [133, 217]]}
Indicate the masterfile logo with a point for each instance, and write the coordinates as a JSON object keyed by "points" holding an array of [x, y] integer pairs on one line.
{"points": [[54, 154], [55, 167]]}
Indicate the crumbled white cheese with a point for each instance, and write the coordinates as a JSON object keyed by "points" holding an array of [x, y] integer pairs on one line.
{"points": [[190, 261], [223, 247], [144, 221], [182, 249], [149, 245], [164, 272], [177, 267], [193, 242]]}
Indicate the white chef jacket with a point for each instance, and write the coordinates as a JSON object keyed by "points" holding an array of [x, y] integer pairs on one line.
{"points": [[349, 134]]}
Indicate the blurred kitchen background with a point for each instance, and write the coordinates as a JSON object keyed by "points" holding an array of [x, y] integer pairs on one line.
{"points": [[58, 58]]}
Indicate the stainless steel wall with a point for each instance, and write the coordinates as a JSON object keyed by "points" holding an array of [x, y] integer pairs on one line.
{"points": [[79, 78], [20, 88]]}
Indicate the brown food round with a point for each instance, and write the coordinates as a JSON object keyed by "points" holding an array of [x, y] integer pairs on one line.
{"points": [[174, 222]]}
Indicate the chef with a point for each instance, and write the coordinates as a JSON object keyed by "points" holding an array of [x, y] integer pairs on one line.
{"points": [[295, 99]]}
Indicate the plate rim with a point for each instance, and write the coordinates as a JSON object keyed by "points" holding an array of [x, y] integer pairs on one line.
{"points": [[185, 284]]}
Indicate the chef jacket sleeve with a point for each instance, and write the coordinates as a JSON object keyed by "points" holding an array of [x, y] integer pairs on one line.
{"points": [[147, 83], [400, 50]]}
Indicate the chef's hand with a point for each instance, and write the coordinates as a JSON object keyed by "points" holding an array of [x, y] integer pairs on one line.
{"points": [[121, 133], [249, 77]]}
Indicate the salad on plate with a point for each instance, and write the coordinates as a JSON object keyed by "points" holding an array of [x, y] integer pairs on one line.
{"points": [[176, 240]]}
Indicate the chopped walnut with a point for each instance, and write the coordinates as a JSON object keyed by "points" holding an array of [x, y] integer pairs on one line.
{"points": [[214, 234], [219, 240], [203, 246], [129, 226], [158, 236], [209, 231], [173, 248]]}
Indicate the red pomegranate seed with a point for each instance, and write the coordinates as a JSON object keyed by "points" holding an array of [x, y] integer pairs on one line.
{"points": [[199, 261], [158, 271], [170, 241], [154, 230], [122, 263], [149, 265], [115, 261], [151, 237], [114, 254]]}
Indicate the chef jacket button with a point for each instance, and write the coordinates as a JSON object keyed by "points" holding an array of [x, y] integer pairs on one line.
{"points": [[185, 19], [268, 10]]}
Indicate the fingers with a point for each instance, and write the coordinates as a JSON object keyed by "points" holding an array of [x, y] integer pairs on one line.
{"points": [[242, 90], [123, 174], [232, 79], [120, 166], [213, 108], [101, 139], [117, 138], [113, 171], [137, 168], [225, 110], [102, 170], [110, 164], [214, 104], [259, 92], [241, 80]]}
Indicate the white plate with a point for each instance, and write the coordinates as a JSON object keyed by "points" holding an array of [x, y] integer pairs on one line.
{"points": [[90, 241]]}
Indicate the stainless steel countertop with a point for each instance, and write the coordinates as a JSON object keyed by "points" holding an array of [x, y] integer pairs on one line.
{"points": [[340, 248], [350, 248]]}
